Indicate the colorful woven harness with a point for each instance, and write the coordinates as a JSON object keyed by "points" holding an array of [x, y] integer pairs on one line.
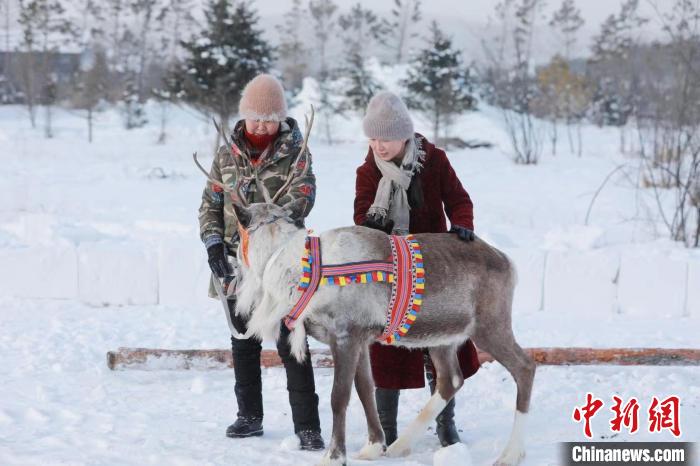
{"points": [[404, 271]]}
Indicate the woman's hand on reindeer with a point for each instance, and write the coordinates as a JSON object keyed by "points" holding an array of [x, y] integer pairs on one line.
{"points": [[465, 234], [217, 260], [375, 224]]}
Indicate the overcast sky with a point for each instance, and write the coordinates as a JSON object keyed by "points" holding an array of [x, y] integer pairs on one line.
{"points": [[466, 21]]}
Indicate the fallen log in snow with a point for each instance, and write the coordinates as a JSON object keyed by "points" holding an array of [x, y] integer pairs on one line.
{"points": [[164, 359]]}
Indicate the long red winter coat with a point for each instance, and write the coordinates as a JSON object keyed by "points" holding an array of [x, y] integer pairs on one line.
{"points": [[392, 366]]}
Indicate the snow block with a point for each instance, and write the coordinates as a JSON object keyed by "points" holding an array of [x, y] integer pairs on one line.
{"points": [[117, 273], [39, 272], [183, 273], [652, 285], [529, 264], [692, 307], [581, 283]]}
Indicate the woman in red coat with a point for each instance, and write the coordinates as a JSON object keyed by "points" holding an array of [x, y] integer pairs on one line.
{"points": [[406, 185]]}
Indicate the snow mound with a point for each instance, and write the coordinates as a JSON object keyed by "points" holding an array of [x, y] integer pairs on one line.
{"points": [[454, 455]]}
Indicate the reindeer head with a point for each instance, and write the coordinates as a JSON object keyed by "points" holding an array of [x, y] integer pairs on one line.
{"points": [[263, 228]]}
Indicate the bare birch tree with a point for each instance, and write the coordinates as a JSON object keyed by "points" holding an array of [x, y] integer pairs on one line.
{"points": [[510, 82], [45, 27], [405, 16], [669, 127], [567, 21]]}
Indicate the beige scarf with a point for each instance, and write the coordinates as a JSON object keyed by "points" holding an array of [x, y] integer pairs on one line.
{"points": [[391, 200]]}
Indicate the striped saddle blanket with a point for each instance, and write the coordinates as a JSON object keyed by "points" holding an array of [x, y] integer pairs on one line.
{"points": [[403, 271]]}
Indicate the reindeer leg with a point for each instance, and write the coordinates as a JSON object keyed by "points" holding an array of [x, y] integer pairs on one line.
{"points": [[504, 349], [449, 381], [346, 353], [364, 384]]}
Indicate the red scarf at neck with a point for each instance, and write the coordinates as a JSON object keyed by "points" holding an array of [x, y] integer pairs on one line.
{"points": [[259, 141]]}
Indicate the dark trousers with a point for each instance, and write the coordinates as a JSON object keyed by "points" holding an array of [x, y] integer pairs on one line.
{"points": [[300, 378]]}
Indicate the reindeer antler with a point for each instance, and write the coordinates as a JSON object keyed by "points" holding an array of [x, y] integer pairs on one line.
{"points": [[302, 152], [235, 192], [261, 187]]}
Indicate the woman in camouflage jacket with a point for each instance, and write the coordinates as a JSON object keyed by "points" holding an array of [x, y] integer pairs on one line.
{"points": [[265, 144]]}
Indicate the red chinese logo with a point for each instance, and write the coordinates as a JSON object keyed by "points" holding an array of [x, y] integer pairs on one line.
{"points": [[664, 414], [587, 412], [627, 416]]}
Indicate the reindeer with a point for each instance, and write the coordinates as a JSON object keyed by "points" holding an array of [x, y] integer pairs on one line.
{"points": [[468, 294]]}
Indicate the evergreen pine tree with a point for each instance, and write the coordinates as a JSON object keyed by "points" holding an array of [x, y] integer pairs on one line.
{"points": [[91, 87], [228, 53], [324, 25], [567, 21], [360, 29], [362, 84], [173, 21], [438, 83], [615, 92], [293, 53]]}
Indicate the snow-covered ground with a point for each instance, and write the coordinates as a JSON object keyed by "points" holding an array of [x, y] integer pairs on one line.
{"points": [[99, 249], [61, 405]]}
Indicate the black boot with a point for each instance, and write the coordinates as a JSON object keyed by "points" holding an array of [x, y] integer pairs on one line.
{"points": [[446, 429], [310, 440], [248, 387], [245, 427], [388, 408], [302, 395]]}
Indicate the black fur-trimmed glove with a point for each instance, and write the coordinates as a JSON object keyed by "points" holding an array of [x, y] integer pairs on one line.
{"points": [[465, 234], [218, 262], [373, 223]]}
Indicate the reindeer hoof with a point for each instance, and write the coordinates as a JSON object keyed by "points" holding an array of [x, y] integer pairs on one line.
{"points": [[510, 457], [398, 449], [328, 461], [371, 451]]}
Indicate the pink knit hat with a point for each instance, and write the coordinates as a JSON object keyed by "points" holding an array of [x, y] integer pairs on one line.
{"points": [[263, 99]]}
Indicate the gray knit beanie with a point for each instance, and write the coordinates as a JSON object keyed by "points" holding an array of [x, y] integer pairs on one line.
{"points": [[387, 118], [263, 99]]}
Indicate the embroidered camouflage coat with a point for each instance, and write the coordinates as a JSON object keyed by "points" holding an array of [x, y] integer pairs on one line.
{"points": [[217, 220]]}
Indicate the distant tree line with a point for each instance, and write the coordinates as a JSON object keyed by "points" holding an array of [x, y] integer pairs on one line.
{"points": [[87, 54], [649, 90]]}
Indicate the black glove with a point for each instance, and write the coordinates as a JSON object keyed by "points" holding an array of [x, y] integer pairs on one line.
{"points": [[386, 227], [217, 260], [465, 234]]}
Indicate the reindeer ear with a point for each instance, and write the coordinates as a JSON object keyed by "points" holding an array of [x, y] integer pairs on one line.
{"points": [[242, 214], [299, 223]]}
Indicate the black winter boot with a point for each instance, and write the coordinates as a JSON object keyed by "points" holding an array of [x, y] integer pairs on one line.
{"points": [[245, 427], [301, 388], [310, 440], [248, 386], [446, 429], [388, 409]]}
